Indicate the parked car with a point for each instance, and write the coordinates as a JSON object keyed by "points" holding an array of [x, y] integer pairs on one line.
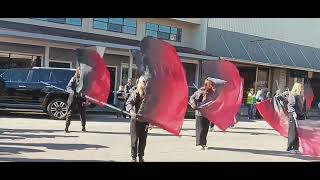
{"points": [[26, 88]]}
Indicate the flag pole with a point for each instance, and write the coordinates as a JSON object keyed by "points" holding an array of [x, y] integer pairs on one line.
{"points": [[90, 98]]}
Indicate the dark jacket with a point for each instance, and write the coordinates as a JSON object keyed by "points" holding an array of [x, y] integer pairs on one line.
{"points": [[297, 104], [72, 90], [133, 104], [197, 99]]}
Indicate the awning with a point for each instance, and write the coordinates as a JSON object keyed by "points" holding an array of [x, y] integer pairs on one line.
{"points": [[84, 38], [258, 50]]}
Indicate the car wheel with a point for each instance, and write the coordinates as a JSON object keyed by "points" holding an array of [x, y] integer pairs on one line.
{"points": [[57, 109]]}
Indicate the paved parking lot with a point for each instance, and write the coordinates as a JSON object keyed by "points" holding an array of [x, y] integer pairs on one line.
{"points": [[34, 137]]}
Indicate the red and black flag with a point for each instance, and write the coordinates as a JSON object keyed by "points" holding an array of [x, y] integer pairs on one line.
{"points": [[275, 113], [94, 77], [223, 110], [308, 94], [166, 98]]}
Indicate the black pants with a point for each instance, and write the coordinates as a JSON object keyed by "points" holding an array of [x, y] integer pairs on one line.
{"points": [[202, 127], [77, 102], [139, 135], [293, 139], [211, 125]]}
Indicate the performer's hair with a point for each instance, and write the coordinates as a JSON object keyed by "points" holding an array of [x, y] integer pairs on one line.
{"points": [[297, 89]]}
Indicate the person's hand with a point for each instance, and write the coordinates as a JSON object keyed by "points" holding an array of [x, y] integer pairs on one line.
{"points": [[148, 127], [295, 116], [133, 115]]}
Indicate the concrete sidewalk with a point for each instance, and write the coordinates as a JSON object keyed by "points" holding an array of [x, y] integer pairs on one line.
{"points": [[33, 137]]}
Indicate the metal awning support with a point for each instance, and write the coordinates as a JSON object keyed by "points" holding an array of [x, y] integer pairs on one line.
{"points": [[226, 45], [245, 49], [305, 57], [264, 52]]}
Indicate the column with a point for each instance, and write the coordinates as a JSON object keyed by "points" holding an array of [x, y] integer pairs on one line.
{"points": [[130, 66], [46, 56]]}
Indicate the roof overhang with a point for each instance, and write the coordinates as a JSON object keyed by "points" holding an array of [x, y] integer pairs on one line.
{"points": [[268, 64], [77, 41]]}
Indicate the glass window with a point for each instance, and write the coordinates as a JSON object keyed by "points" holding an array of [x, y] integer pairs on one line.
{"points": [[115, 27], [61, 76], [100, 25], [59, 64], [129, 30], [74, 21], [122, 25], [19, 75], [116, 21], [44, 75], [70, 21], [174, 30], [35, 76], [57, 20], [151, 26], [163, 35], [163, 32], [152, 33], [101, 19], [130, 22], [164, 29]]}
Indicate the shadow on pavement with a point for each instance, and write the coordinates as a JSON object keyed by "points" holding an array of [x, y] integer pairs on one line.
{"points": [[20, 134], [266, 152], [4, 150], [15, 159], [55, 146], [128, 133], [245, 132]]}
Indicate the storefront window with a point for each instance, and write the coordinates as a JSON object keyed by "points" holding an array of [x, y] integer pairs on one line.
{"points": [[15, 60], [263, 78]]}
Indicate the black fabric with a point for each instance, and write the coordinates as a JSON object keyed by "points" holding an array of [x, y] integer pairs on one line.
{"points": [[77, 102], [139, 134], [202, 127], [293, 139]]}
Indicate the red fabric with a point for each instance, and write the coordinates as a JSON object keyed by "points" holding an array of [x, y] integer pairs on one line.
{"points": [[308, 94], [309, 136], [95, 76], [223, 110], [278, 120], [167, 90]]}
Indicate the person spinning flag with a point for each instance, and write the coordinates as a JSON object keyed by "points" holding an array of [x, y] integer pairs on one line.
{"points": [[204, 96], [75, 100]]}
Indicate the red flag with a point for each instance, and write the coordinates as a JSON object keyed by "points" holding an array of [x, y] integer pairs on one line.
{"points": [[309, 136], [95, 77], [223, 110], [308, 94], [276, 117], [166, 96]]}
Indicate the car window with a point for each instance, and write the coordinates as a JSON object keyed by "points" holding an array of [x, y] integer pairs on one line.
{"points": [[44, 75], [6, 75], [35, 75], [19, 75], [61, 76]]}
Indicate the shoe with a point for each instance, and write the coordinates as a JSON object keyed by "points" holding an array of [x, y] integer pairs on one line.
{"points": [[297, 151], [292, 151], [204, 147], [66, 130], [141, 159], [199, 147], [134, 160], [211, 129], [83, 129]]}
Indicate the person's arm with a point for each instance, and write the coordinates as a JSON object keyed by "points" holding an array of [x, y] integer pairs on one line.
{"points": [[291, 105], [194, 98], [130, 105]]}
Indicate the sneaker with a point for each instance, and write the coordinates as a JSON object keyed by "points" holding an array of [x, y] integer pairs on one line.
{"points": [[134, 160], [199, 147], [292, 151], [297, 151], [211, 129], [83, 129], [141, 159], [66, 130], [204, 147]]}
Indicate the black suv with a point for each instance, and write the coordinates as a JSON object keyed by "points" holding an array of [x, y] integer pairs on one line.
{"points": [[23, 88]]}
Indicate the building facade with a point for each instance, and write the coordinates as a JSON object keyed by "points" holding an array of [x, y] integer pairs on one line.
{"points": [[270, 53], [51, 42]]}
